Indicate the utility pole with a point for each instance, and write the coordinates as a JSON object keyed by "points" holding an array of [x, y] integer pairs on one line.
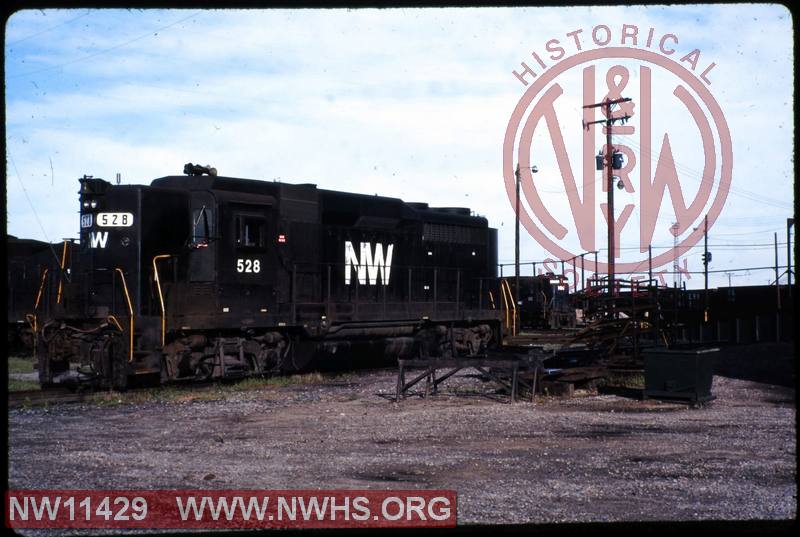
{"points": [[705, 256], [777, 278], [789, 224], [706, 260], [516, 240], [533, 169], [609, 158], [676, 275]]}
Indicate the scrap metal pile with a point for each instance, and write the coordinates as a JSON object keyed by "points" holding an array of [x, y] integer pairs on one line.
{"points": [[619, 324], [613, 329]]}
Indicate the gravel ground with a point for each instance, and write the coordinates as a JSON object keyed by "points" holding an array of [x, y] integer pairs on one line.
{"points": [[591, 458]]}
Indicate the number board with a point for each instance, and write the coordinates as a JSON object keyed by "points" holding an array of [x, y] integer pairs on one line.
{"points": [[115, 219]]}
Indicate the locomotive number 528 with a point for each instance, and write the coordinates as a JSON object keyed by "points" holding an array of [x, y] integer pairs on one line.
{"points": [[248, 265]]}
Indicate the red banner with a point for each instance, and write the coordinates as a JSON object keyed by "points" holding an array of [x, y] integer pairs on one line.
{"points": [[230, 508]]}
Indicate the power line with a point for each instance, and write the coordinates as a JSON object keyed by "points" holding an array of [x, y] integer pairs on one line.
{"points": [[769, 230], [98, 53], [693, 174], [33, 209], [710, 271], [717, 271], [683, 247], [48, 29]]}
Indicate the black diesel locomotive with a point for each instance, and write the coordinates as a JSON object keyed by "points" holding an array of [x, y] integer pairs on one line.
{"points": [[206, 277], [29, 263]]}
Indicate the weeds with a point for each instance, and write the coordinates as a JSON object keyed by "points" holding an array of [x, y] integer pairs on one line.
{"points": [[634, 380], [176, 394], [214, 392], [20, 364], [22, 385]]}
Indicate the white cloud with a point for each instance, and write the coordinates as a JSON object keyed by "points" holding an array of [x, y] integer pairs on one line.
{"points": [[411, 103]]}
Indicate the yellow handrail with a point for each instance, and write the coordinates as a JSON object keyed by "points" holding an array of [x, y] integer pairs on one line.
{"points": [[31, 318], [61, 277], [35, 323], [115, 321], [513, 309], [41, 288], [161, 297], [130, 310], [505, 303], [509, 305], [513, 305]]}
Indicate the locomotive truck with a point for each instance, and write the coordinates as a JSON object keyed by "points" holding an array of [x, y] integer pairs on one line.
{"points": [[200, 276]]}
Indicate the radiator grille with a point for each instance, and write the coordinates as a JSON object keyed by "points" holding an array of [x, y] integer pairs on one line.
{"points": [[453, 234]]}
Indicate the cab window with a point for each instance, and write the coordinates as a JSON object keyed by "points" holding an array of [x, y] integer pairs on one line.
{"points": [[249, 231], [202, 225]]}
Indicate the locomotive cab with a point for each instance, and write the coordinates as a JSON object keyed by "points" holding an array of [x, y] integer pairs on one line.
{"points": [[111, 303], [225, 277]]}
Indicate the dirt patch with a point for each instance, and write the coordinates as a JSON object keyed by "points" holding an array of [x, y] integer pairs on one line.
{"points": [[589, 458]]}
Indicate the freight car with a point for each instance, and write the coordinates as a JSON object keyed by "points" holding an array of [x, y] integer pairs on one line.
{"points": [[28, 262], [207, 277], [544, 302]]}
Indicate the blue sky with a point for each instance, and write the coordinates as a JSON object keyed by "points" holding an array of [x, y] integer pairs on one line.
{"points": [[411, 103]]}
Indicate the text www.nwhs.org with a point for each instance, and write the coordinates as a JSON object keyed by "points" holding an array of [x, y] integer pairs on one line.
{"points": [[229, 509]]}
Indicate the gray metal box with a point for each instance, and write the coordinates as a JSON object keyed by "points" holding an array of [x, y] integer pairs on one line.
{"points": [[683, 374]]}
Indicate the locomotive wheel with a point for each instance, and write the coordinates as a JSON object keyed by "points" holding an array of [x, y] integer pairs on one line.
{"points": [[47, 352], [205, 369], [299, 357]]}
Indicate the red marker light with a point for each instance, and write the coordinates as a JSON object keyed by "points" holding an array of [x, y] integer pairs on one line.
{"points": [[281, 238]]}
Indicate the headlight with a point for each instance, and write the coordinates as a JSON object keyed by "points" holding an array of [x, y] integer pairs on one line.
{"points": [[85, 204], [93, 204]]}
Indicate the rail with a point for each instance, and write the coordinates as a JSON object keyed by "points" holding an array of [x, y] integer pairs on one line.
{"points": [[161, 297], [45, 397], [130, 310]]}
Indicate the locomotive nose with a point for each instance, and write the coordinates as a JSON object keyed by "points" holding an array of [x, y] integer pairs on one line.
{"points": [[91, 189]]}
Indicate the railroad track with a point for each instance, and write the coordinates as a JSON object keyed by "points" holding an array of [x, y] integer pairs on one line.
{"points": [[45, 397]]}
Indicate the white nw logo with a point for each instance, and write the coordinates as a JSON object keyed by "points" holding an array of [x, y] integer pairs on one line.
{"points": [[98, 239], [370, 266]]}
